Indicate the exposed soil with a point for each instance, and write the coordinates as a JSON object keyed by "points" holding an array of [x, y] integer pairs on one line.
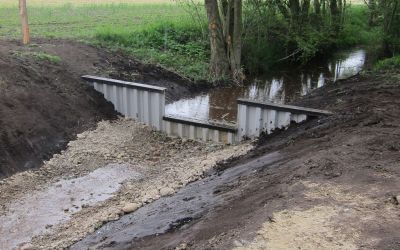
{"points": [[44, 103], [104, 173], [337, 186]]}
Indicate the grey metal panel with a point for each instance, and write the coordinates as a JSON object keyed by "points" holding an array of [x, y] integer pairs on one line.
{"points": [[192, 134], [242, 120], [174, 129], [230, 138], [271, 121], [131, 105], [298, 118], [168, 128], [146, 107], [155, 110], [283, 119], [286, 108], [253, 122], [96, 86], [114, 97], [125, 105], [145, 103], [124, 84], [180, 129], [216, 136], [205, 134], [135, 104], [140, 106], [120, 100], [199, 133], [106, 92], [264, 120]]}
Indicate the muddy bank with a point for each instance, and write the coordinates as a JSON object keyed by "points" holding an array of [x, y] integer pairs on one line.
{"points": [[44, 103], [337, 186]]}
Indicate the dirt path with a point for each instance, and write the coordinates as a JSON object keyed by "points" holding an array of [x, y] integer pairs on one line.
{"points": [[44, 103], [105, 173], [337, 186]]}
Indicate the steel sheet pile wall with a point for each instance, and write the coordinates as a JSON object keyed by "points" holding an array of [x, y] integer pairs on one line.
{"points": [[196, 130], [142, 102], [146, 103], [255, 118]]}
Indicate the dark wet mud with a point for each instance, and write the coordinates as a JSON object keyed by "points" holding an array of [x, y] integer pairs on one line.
{"points": [[174, 212]]}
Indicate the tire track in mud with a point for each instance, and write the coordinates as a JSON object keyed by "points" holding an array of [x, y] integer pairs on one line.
{"points": [[173, 212]]}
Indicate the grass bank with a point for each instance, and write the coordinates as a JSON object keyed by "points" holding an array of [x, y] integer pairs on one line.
{"points": [[164, 33]]}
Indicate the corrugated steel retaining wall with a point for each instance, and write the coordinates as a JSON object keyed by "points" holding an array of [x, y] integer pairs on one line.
{"points": [[255, 118], [195, 130], [146, 104]]}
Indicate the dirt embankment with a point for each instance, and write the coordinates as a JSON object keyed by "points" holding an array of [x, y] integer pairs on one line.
{"points": [[44, 103], [336, 188]]}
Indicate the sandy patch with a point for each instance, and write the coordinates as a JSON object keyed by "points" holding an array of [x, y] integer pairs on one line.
{"points": [[336, 222]]}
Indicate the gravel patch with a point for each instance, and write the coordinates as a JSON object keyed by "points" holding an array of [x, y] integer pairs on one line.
{"points": [[164, 164]]}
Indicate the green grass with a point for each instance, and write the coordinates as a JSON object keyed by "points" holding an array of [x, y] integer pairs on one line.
{"points": [[163, 33], [42, 56], [159, 32], [177, 45], [388, 64], [71, 21]]}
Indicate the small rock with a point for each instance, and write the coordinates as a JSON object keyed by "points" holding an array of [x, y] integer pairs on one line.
{"points": [[81, 136], [130, 207], [166, 191], [182, 246], [26, 246]]}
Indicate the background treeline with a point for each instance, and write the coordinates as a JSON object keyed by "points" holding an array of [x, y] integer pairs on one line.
{"points": [[274, 32]]}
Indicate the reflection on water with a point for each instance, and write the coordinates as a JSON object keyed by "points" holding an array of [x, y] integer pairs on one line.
{"points": [[279, 87]]}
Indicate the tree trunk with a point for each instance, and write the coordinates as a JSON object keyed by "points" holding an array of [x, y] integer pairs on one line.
{"points": [[225, 26], [235, 50], [317, 7], [24, 22], [335, 15], [219, 65]]}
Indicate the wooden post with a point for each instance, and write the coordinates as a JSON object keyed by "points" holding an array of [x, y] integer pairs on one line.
{"points": [[24, 21]]}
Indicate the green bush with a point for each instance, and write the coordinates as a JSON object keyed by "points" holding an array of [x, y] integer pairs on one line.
{"points": [[392, 63]]}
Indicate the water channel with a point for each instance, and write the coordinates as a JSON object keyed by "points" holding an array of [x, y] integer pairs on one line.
{"points": [[280, 86]]}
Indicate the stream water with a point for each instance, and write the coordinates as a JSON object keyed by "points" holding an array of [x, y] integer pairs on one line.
{"points": [[280, 86]]}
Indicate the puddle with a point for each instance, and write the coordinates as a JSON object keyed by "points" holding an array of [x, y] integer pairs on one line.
{"points": [[281, 86], [172, 212], [37, 212]]}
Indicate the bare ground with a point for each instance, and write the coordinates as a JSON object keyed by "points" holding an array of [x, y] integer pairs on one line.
{"points": [[44, 103], [66, 199], [337, 188]]}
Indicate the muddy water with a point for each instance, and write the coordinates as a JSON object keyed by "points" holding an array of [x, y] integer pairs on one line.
{"points": [[37, 212], [281, 86], [172, 212]]}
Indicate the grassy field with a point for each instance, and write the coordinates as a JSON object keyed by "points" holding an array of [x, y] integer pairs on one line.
{"points": [[79, 19], [146, 29], [81, 2], [155, 31]]}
